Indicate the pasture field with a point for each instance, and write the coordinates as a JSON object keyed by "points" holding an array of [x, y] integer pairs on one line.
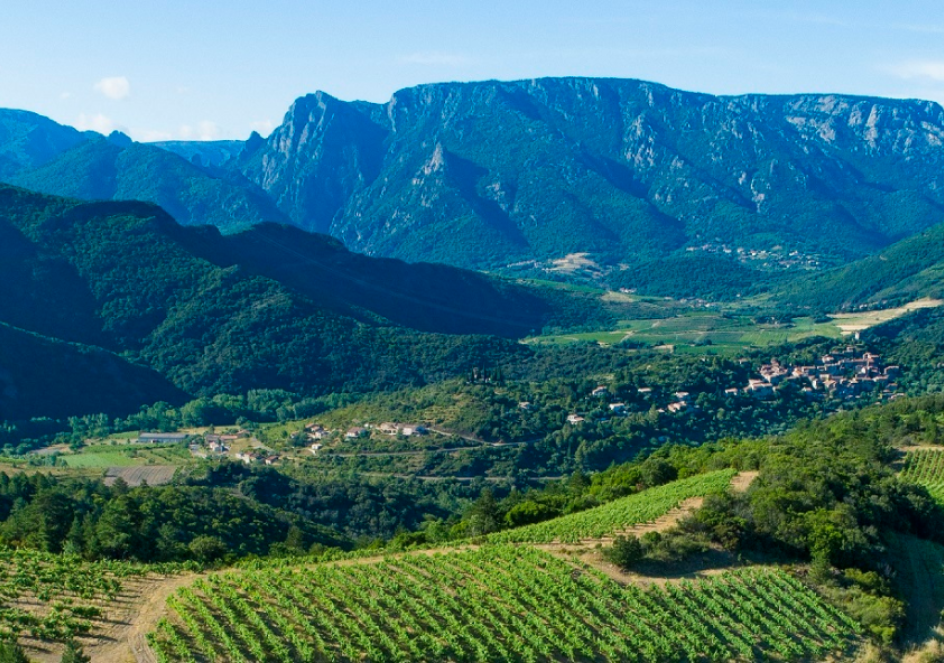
{"points": [[100, 459], [494, 603], [126, 455]]}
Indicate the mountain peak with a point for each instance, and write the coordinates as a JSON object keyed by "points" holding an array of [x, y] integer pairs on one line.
{"points": [[308, 103], [120, 139], [253, 143]]}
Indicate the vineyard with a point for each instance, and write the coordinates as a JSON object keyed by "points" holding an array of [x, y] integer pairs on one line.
{"points": [[152, 475], [496, 603], [617, 516], [926, 467], [55, 597]]}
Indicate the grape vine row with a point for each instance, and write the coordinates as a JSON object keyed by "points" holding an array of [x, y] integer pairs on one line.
{"points": [[497, 602]]}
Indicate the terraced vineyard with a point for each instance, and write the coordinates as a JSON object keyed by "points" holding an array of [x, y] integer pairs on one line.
{"points": [[926, 467], [618, 515], [496, 603], [55, 597]]}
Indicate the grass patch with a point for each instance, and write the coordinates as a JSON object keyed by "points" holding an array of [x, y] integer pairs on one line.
{"points": [[103, 459], [100, 456]]}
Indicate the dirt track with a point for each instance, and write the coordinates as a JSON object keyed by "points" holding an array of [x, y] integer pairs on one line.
{"points": [[589, 552]]}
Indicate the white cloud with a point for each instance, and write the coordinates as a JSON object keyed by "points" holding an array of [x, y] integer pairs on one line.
{"points": [[435, 58], [151, 135], [115, 87], [97, 122], [65, 95], [928, 70], [204, 130], [264, 127]]}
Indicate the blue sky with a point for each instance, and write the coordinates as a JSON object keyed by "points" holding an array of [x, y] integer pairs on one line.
{"points": [[162, 69]]}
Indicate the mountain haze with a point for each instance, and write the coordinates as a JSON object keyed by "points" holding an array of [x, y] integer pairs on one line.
{"points": [[204, 152]]}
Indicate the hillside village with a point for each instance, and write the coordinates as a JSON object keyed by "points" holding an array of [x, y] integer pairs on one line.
{"points": [[774, 258], [243, 446], [844, 374], [218, 445]]}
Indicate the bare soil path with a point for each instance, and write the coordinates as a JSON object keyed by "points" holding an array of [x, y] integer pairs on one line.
{"points": [[119, 637], [711, 563]]}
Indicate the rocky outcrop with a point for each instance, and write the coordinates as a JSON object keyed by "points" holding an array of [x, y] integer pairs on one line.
{"points": [[487, 174]]}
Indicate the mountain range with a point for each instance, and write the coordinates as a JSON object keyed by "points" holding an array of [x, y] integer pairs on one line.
{"points": [[487, 175], [570, 176], [305, 261]]}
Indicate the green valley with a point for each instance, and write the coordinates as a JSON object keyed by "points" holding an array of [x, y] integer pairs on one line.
{"points": [[732, 327], [556, 369]]}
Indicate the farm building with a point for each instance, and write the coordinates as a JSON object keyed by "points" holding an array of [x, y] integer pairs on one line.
{"points": [[153, 438]]}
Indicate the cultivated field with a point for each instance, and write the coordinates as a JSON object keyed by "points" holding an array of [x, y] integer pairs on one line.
{"points": [[153, 475], [619, 515], [926, 467], [47, 598], [488, 602], [717, 332], [853, 322], [495, 603], [713, 332]]}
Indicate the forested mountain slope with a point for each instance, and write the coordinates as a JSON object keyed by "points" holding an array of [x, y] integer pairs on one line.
{"points": [[515, 175], [102, 170], [905, 271], [422, 296], [49, 377], [222, 315], [28, 140]]}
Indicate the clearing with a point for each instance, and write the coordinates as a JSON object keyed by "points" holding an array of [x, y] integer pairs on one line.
{"points": [[849, 323]]}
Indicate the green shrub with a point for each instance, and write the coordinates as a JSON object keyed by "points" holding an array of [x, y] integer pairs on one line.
{"points": [[625, 551]]}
